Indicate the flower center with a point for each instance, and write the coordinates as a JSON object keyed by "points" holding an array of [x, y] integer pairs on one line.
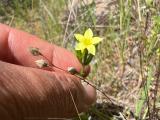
{"points": [[88, 41]]}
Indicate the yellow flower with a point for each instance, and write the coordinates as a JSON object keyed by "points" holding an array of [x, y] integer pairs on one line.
{"points": [[87, 41]]}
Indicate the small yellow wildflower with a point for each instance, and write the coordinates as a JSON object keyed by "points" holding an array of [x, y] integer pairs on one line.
{"points": [[87, 41]]}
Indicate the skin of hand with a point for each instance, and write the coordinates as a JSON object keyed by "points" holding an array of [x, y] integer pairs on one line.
{"points": [[27, 92]]}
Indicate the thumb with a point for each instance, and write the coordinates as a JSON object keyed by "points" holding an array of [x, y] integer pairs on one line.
{"points": [[38, 93]]}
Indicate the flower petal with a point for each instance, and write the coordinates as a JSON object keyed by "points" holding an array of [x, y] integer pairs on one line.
{"points": [[91, 49], [79, 46], [88, 33], [96, 40], [79, 37]]}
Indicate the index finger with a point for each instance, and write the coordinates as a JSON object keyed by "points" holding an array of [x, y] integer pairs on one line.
{"points": [[15, 44]]}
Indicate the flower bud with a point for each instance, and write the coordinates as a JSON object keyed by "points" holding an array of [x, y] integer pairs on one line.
{"points": [[41, 63], [34, 51]]}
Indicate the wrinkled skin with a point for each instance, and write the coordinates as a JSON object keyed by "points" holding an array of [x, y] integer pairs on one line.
{"points": [[29, 92]]}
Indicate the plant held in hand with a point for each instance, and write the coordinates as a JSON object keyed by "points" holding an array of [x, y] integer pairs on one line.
{"points": [[85, 50]]}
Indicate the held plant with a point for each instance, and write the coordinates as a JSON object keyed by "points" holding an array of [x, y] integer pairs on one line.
{"points": [[85, 50]]}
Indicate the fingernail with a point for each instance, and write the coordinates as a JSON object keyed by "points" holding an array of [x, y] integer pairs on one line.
{"points": [[86, 70]]}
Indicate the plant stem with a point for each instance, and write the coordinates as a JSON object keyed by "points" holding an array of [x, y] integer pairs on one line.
{"points": [[85, 80]]}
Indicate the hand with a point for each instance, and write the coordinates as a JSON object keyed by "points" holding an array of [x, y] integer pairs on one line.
{"points": [[27, 92]]}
